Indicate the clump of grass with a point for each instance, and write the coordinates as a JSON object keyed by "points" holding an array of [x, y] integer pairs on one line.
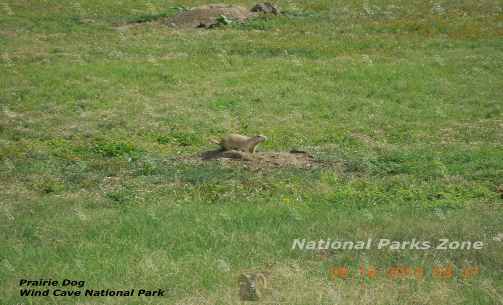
{"points": [[224, 20], [179, 138], [224, 104], [180, 8], [122, 196], [300, 14], [148, 18], [261, 23], [49, 185], [118, 149]]}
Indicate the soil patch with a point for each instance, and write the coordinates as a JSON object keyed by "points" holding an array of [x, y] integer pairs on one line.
{"points": [[207, 15], [294, 158]]}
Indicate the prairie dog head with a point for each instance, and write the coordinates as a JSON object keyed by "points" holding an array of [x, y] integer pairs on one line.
{"points": [[260, 138]]}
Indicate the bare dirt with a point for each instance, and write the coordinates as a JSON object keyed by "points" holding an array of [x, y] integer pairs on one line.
{"points": [[294, 158], [206, 16]]}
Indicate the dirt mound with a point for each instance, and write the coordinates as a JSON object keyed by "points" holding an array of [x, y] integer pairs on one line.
{"points": [[207, 15], [294, 158]]}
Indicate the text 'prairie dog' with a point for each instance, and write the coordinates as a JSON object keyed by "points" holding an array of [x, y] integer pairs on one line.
{"points": [[241, 143]]}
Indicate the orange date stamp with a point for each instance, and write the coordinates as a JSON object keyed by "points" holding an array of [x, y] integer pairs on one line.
{"points": [[403, 272]]}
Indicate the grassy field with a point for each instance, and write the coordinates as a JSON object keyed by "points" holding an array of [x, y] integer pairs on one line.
{"points": [[101, 117]]}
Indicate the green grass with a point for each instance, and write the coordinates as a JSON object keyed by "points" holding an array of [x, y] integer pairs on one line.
{"points": [[103, 108]]}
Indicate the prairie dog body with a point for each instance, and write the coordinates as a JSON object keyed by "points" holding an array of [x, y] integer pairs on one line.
{"points": [[241, 143]]}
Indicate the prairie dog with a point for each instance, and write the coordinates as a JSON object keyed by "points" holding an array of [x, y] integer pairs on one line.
{"points": [[241, 143], [267, 8], [252, 286]]}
